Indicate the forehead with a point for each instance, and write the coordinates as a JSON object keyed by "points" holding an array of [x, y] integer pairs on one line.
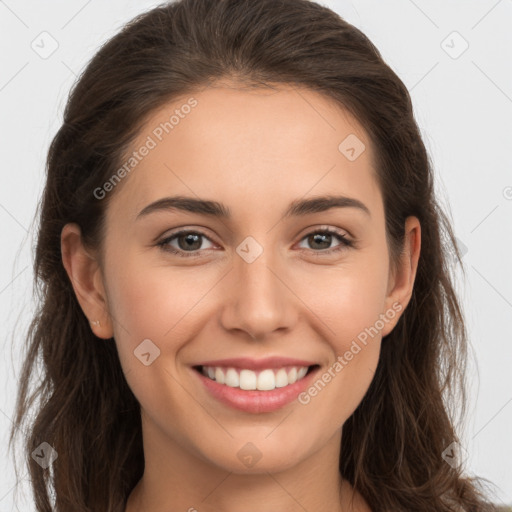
{"points": [[248, 147]]}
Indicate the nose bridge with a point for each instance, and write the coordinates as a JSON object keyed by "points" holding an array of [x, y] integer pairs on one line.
{"points": [[259, 302]]}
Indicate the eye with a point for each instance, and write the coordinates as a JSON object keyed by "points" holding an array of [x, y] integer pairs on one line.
{"points": [[189, 242], [323, 238]]}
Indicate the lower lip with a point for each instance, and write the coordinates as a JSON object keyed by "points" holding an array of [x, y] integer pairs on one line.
{"points": [[256, 401]]}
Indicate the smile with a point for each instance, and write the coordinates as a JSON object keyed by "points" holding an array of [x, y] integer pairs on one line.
{"points": [[255, 391], [265, 380]]}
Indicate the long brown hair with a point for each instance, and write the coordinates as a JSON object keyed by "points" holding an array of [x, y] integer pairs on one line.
{"points": [[393, 444]]}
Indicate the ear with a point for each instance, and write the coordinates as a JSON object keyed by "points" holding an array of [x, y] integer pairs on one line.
{"points": [[85, 275], [401, 280]]}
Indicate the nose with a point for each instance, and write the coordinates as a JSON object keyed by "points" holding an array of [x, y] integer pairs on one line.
{"points": [[259, 302]]}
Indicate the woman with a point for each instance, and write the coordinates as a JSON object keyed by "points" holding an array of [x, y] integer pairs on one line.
{"points": [[229, 138]]}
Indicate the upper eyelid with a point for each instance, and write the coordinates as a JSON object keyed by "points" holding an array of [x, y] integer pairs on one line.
{"points": [[185, 231], [325, 227]]}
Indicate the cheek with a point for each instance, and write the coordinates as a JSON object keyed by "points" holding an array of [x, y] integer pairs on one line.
{"points": [[153, 312], [348, 304], [347, 299], [153, 301], [353, 319], [167, 306]]}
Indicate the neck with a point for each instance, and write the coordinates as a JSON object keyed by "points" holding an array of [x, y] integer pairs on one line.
{"points": [[176, 478]]}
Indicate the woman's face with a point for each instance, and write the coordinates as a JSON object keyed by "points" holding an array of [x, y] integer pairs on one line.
{"points": [[265, 269]]}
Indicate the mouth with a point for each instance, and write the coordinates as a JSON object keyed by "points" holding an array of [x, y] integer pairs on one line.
{"points": [[246, 379], [255, 391]]}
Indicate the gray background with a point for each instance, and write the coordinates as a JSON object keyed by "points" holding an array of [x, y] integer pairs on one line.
{"points": [[463, 104]]}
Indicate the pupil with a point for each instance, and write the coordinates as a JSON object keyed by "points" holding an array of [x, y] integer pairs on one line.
{"points": [[319, 237], [190, 240]]}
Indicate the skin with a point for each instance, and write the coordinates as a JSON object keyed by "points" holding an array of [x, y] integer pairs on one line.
{"points": [[255, 151]]}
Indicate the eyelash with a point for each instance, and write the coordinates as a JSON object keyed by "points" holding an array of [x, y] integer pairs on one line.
{"points": [[345, 243]]}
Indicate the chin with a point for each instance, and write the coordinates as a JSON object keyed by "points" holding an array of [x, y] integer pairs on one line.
{"points": [[258, 454]]}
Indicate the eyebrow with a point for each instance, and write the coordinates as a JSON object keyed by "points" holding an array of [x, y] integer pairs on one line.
{"points": [[300, 207]]}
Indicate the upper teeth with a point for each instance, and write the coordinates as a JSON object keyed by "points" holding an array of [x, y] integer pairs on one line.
{"points": [[265, 380]]}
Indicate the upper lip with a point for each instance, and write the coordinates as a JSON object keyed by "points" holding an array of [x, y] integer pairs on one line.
{"points": [[257, 364]]}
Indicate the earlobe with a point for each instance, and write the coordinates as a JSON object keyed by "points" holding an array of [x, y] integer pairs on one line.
{"points": [[84, 273], [401, 283]]}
